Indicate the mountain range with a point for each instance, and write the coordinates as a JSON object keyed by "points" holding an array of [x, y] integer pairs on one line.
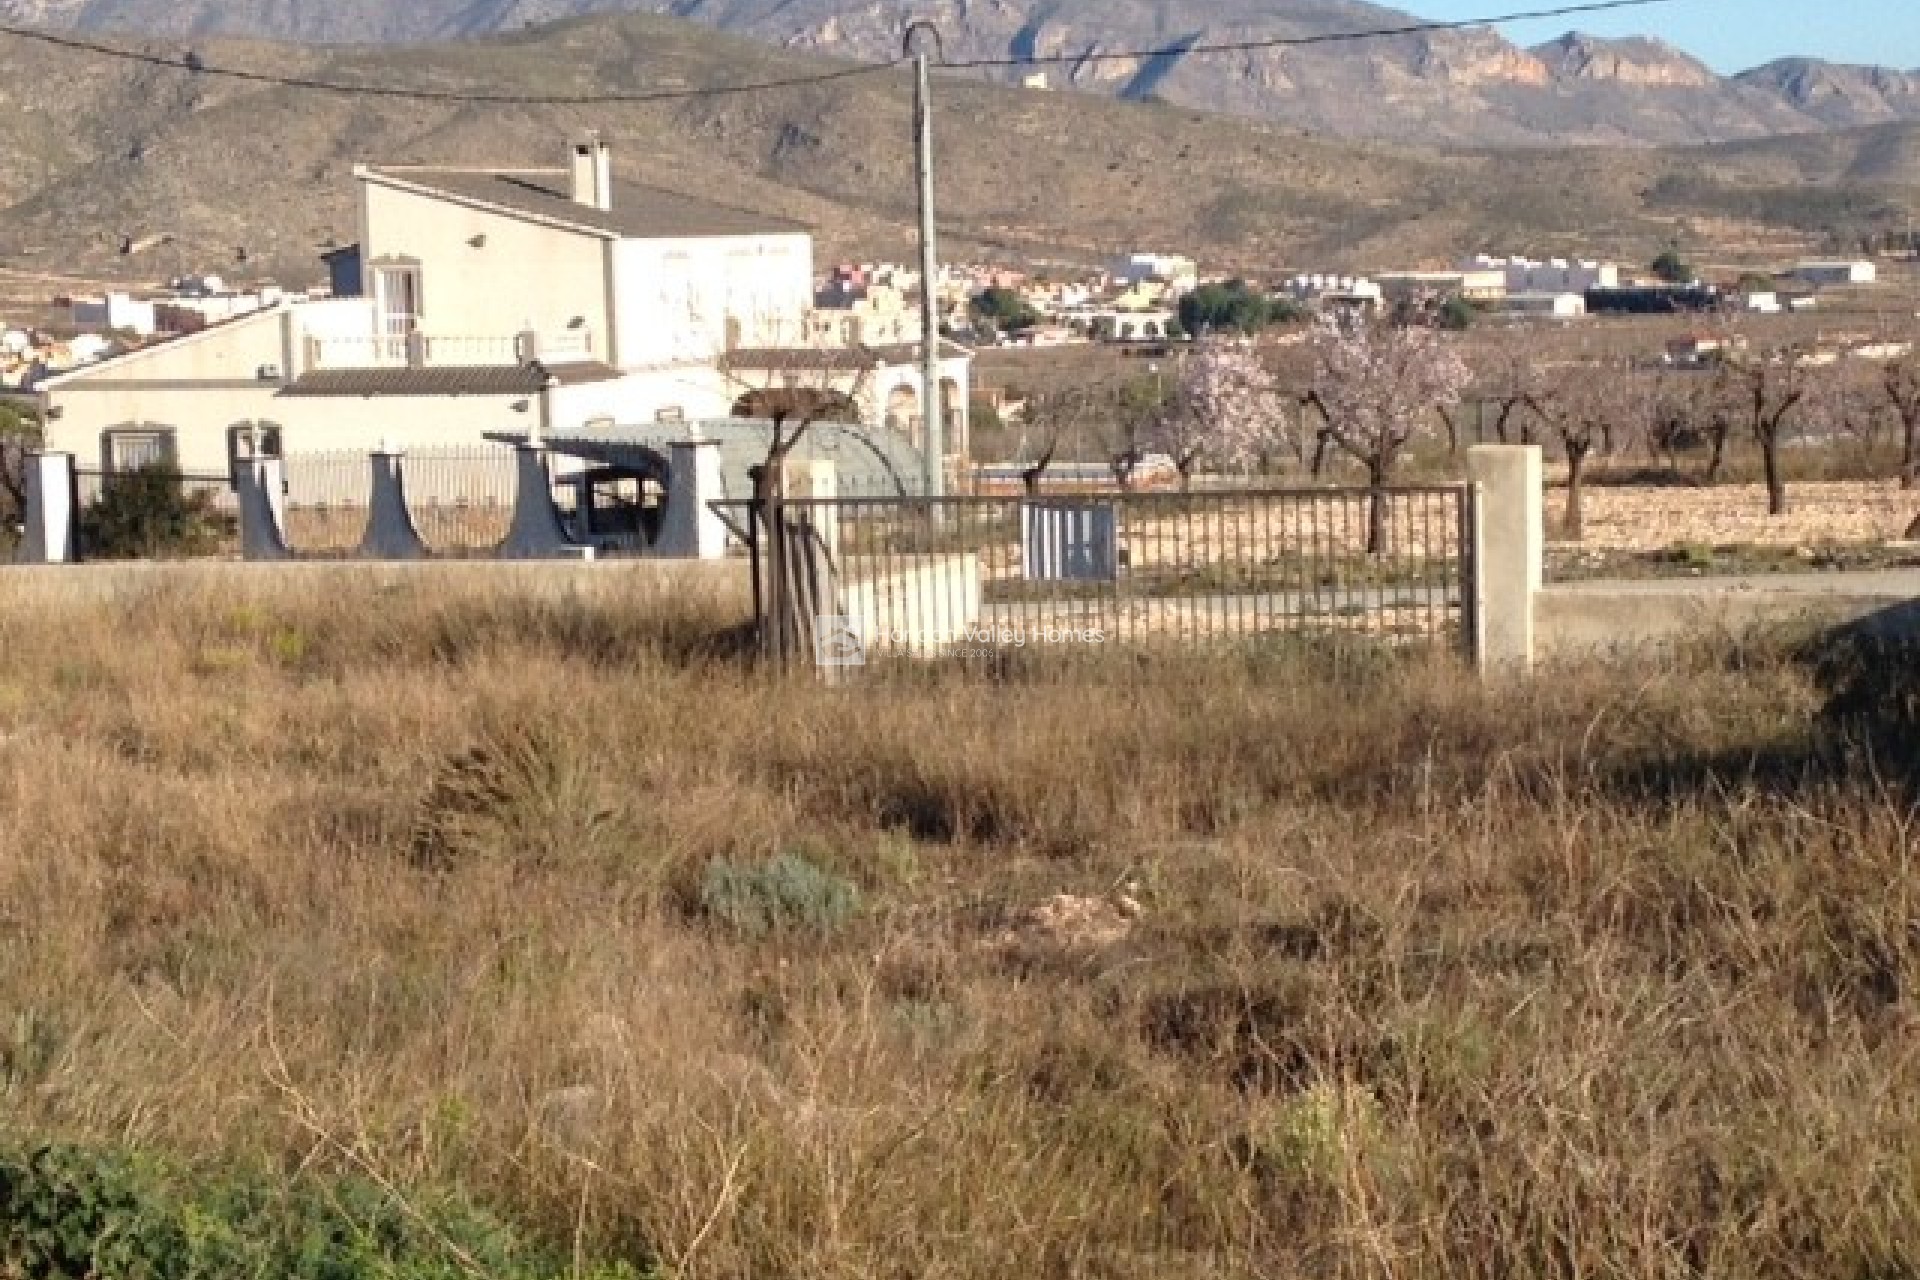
{"points": [[1466, 87], [244, 177]]}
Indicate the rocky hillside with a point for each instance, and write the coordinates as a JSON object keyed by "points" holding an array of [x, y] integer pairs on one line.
{"points": [[101, 153], [1464, 88]]}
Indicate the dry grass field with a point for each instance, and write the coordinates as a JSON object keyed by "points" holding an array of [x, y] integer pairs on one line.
{"points": [[1299, 963]]}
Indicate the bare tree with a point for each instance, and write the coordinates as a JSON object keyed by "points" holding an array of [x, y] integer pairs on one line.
{"points": [[1057, 419], [1844, 408], [792, 390], [1134, 404], [1581, 405], [1717, 407], [1770, 387], [1379, 388], [1506, 379], [1224, 411], [1900, 383]]}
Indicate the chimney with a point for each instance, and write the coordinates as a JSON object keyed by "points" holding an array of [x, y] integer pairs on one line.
{"points": [[592, 169]]}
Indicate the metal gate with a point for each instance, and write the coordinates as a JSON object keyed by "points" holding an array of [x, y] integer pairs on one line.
{"points": [[974, 574]]}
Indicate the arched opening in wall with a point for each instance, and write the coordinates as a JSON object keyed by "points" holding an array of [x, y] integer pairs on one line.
{"points": [[790, 404], [903, 412]]}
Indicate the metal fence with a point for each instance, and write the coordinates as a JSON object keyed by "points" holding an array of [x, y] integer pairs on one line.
{"points": [[975, 574], [461, 499]]}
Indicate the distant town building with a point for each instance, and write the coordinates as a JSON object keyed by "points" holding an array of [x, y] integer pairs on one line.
{"points": [[1654, 299], [1554, 275], [1832, 273], [115, 311], [1180, 274], [1478, 284], [1545, 306], [1333, 290]]}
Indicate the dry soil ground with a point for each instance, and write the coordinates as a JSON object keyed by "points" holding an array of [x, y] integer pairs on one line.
{"points": [[1656, 518]]}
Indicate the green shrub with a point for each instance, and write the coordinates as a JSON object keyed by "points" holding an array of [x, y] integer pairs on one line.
{"points": [[146, 514], [788, 893], [69, 1213]]}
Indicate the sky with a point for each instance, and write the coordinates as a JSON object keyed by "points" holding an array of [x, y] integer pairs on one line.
{"points": [[1728, 35]]}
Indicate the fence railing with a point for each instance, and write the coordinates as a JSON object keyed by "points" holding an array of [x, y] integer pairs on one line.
{"points": [[461, 499], [387, 351], [970, 574]]}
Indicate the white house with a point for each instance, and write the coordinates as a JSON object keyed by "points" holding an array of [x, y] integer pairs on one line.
{"points": [[1827, 273], [492, 301], [1178, 272], [115, 311], [1554, 275], [1544, 306]]}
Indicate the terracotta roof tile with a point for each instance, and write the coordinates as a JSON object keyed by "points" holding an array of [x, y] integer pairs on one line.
{"points": [[445, 380]]}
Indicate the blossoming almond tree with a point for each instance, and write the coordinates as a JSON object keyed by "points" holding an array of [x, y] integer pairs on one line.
{"points": [[1226, 411], [1378, 388]]}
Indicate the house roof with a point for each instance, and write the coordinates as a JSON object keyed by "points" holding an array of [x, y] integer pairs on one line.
{"points": [[158, 345], [640, 213], [446, 380]]}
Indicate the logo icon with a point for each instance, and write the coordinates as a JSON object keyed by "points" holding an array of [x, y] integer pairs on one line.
{"points": [[836, 643]]}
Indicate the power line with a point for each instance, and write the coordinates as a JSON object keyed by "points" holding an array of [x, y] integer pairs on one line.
{"points": [[197, 65], [1294, 42], [194, 63]]}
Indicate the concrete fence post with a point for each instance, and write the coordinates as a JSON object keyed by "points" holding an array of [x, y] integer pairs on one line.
{"points": [[262, 492], [391, 533], [690, 530], [50, 514], [817, 479], [1509, 552], [537, 532]]}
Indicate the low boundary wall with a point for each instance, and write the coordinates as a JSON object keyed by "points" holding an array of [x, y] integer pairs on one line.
{"points": [[1605, 619], [1526, 622]]}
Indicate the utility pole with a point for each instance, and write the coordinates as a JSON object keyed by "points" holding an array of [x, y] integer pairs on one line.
{"points": [[932, 412]]}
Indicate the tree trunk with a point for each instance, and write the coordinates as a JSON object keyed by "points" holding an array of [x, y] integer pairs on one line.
{"points": [[1321, 446], [1776, 483], [1377, 502], [1909, 444], [1453, 433], [1719, 458], [1574, 527]]}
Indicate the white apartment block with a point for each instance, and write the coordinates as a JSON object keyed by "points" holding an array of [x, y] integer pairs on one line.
{"points": [[1549, 276]]}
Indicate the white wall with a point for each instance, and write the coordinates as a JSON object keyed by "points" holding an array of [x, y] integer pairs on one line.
{"points": [[636, 400], [523, 273], [200, 417], [674, 297]]}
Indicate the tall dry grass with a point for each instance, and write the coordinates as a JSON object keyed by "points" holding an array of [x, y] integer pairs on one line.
{"points": [[1366, 970]]}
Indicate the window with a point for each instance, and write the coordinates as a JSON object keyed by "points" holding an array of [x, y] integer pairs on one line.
{"points": [[247, 441], [396, 293], [131, 448]]}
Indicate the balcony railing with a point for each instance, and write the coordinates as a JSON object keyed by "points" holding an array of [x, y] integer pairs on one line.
{"points": [[430, 350]]}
